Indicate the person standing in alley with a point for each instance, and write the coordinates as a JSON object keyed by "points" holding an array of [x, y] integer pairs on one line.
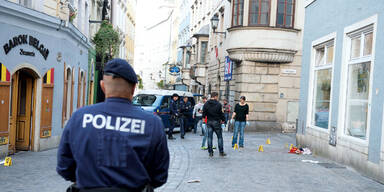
{"points": [[240, 115], [197, 115], [174, 112], [226, 110], [114, 145], [215, 117], [185, 109]]}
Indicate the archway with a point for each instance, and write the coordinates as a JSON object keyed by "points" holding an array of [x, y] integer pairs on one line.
{"points": [[23, 107]]}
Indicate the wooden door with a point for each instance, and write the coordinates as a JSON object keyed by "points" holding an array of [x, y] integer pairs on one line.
{"points": [[64, 110], [23, 122], [4, 112], [79, 89], [84, 88], [71, 99], [46, 110]]}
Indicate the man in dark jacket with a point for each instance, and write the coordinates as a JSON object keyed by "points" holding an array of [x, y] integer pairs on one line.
{"points": [[215, 116], [185, 109], [174, 111], [114, 145]]}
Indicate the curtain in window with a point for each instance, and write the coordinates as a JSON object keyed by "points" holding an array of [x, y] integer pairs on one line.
{"points": [[237, 12], [285, 13], [259, 12]]}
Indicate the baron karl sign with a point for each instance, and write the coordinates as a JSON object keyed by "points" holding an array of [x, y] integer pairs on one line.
{"points": [[26, 40]]}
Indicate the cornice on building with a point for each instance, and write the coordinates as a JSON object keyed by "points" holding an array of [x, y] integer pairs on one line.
{"points": [[40, 18]]}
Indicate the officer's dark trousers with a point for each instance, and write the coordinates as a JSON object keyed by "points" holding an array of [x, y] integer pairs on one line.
{"points": [[214, 126], [170, 130], [183, 125]]}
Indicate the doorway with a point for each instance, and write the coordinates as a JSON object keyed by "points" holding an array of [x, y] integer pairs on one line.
{"points": [[22, 110]]}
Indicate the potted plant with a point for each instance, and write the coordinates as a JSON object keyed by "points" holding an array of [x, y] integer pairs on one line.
{"points": [[72, 15]]}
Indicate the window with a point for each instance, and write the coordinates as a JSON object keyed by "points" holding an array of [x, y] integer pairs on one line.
{"points": [[285, 13], [165, 102], [26, 3], [358, 82], [188, 59], [144, 100], [259, 11], [237, 12], [203, 53], [322, 75]]}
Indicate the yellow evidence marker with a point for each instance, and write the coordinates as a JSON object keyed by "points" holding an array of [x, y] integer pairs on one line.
{"points": [[290, 147], [261, 149], [235, 147], [268, 141], [8, 161]]}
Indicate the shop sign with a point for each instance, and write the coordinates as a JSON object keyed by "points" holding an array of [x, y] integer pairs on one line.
{"points": [[228, 66], [289, 71], [26, 40]]}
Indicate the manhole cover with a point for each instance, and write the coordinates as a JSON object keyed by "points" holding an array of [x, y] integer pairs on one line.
{"points": [[331, 166]]}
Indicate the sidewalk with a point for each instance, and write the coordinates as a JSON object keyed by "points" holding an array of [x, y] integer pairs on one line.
{"points": [[249, 170], [244, 170]]}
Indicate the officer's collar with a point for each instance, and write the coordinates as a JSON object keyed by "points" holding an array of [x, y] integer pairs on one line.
{"points": [[118, 99]]}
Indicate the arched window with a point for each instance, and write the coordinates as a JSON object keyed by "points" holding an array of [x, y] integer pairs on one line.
{"points": [[67, 95], [81, 89], [259, 12]]}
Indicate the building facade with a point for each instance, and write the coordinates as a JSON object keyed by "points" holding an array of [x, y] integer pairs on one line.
{"points": [[341, 97], [258, 44], [44, 64], [195, 48], [183, 57]]}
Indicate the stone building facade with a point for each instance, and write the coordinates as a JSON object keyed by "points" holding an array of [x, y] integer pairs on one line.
{"points": [[263, 40]]}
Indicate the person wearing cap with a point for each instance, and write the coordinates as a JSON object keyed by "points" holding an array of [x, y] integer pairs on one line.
{"points": [[174, 112], [240, 115], [114, 145]]}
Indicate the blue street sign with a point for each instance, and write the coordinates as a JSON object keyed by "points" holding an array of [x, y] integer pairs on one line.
{"points": [[174, 70], [228, 66]]}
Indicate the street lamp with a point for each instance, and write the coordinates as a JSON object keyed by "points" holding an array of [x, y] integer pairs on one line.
{"points": [[215, 24], [189, 47]]}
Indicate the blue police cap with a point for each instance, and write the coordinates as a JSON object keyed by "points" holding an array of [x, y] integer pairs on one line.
{"points": [[121, 68]]}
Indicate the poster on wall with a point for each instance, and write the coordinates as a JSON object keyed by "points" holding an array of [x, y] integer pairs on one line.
{"points": [[228, 66]]}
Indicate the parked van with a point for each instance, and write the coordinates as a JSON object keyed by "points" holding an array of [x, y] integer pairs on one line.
{"points": [[157, 102]]}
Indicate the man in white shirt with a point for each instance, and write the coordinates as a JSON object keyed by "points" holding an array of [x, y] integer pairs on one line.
{"points": [[198, 115]]}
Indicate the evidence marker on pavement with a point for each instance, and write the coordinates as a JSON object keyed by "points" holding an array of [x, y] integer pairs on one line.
{"points": [[235, 147], [8, 162], [261, 149], [268, 141]]}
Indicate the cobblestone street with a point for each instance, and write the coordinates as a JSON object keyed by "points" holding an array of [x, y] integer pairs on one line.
{"points": [[242, 170]]}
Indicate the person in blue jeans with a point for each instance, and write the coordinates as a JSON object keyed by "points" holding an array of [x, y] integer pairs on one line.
{"points": [[215, 117], [240, 115]]}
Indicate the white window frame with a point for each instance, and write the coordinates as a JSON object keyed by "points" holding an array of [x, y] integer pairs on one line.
{"points": [[346, 61], [315, 44]]}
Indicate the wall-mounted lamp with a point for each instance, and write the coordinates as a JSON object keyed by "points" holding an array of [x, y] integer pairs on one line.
{"points": [[215, 24]]}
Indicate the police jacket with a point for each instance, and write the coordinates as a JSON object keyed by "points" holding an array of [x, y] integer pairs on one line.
{"points": [[185, 108], [212, 109], [174, 108], [113, 144]]}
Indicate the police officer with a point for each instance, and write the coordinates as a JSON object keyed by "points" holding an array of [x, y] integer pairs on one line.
{"points": [[185, 109], [174, 112], [114, 145]]}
